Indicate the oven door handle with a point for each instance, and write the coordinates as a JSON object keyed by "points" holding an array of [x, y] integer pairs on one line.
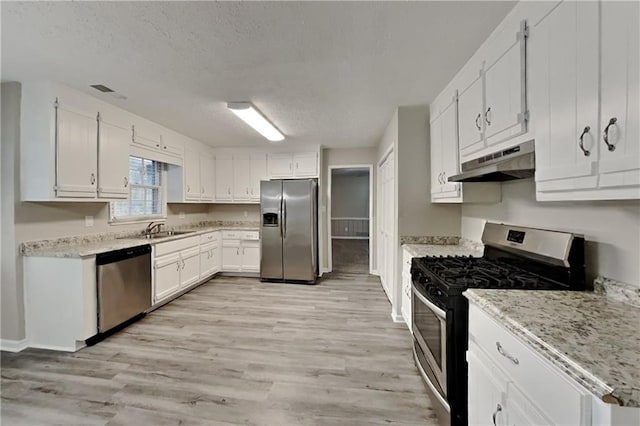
{"points": [[436, 310]]}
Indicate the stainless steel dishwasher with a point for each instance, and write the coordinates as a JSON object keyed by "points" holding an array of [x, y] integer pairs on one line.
{"points": [[124, 285]]}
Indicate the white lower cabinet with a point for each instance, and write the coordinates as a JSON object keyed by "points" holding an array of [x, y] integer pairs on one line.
{"points": [[406, 287], [176, 265], [166, 271], [190, 270], [209, 259], [510, 384], [241, 251]]}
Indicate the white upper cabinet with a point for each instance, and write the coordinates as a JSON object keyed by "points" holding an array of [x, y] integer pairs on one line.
{"points": [[113, 163], [224, 177], [192, 174], [293, 165], [207, 177], [152, 141], [76, 153], [258, 173], [471, 122], [619, 107], [241, 177], [573, 47], [564, 87], [194, 181]]}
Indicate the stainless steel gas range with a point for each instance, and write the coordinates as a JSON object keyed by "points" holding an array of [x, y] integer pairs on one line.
{"points": [[515, 258]]}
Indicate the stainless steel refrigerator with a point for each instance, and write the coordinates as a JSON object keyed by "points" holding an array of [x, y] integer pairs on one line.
{"points": [[289, 212]]}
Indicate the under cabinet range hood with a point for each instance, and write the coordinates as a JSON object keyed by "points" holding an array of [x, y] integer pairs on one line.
{"points": [[517, 162]]}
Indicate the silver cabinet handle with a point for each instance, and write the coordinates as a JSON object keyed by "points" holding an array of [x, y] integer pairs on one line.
{"points": [[478, 121], [188, 188], [202, 190], [93, 178], [247, 191], [486, 116], [183, 264], [586, 152], [177, 265], [229, 191], [444, 178], [243, 251], [502, 352], [605, 134], [495, 413], [238, 251], [126, 181]]}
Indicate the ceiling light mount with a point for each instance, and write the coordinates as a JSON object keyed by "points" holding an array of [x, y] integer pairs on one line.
{"points": [[254, 118]]}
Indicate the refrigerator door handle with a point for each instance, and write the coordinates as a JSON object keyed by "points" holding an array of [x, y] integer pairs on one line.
{"points": [[284, 217]]}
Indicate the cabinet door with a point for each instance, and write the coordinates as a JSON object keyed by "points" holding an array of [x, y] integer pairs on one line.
{"points": [[231, 257], [564, 93], [449, 149], [171, 146], [167, 276], [77, 144], [250, 256], [241, 177], [146, 137], [436, 156], [486, 390], [207, 177], [305, 164], [620, 160], [504, 113], [470, 120], [280, 165], [113, 161], [191, 175], [258, 173], [207, 261], [190, 268], [522, 412], [216, 257], [224, 177]]}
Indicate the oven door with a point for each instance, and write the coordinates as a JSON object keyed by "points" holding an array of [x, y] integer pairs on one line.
{"points": [[430, 332]]}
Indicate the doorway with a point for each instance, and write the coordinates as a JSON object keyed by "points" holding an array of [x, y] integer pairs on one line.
{"points": [[349, 208]]}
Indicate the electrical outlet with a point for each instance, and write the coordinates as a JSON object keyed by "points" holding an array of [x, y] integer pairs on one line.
{"points": [[182, 215], [88, 221]]}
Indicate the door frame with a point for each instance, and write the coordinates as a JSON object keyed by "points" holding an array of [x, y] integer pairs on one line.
{"points": [[369, 168]]}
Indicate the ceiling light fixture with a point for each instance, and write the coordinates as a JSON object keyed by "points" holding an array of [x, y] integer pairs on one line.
{"points": [[250, 115]]}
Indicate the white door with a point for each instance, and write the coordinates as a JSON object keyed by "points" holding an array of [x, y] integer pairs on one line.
{"points": [[113, 161], [280, 166], [486, 390], [305, 164], [224, 177], [258, 173], [449, 149], [77, 162], [231, 257], [241, 177], [207, 177], [216, 257], [190, 268], [191, 175], [146, 136], [620, 110], [564, 92], [387, 229], [167, 276], [250, 256], [505, 93], [470, 118]]}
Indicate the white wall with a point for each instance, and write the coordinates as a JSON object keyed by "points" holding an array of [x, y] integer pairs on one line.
{"points": [[342, 157], [12, 306], [416, 214], [350, 195], [611, 228]]}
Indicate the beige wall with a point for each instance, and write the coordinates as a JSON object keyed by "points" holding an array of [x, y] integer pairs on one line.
{"points": [[248, 212], [416, 214], [611, 228], [342, 157], [11, 294], [349, 195]]}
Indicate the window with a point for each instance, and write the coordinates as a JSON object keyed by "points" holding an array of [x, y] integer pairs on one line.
{"points": [[146, 193]]}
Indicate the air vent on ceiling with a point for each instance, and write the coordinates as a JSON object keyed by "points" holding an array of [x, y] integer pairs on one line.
{"points": [[102, 88]]}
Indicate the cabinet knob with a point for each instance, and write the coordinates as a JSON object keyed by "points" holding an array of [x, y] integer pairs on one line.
{"points": [[605, 134], [586, 152], [165, 147], [157, 145]]}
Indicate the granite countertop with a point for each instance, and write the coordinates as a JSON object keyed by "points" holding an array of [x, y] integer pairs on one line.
{"points": [[591, 337], [87, 246]]}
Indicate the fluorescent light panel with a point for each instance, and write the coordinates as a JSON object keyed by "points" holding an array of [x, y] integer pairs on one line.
{"points": [[250, 115]]}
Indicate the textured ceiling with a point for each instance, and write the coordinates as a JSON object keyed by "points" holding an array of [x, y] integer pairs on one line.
{"points": [[327, 73]]}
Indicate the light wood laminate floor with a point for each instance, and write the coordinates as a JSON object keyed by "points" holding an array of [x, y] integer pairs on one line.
{"points": [[233, 351]]}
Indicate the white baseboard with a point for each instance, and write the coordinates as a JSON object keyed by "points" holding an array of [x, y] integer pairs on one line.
{"points": [[324, 271], [58, 348], [397, 318], [13, 345], [374, 272]]}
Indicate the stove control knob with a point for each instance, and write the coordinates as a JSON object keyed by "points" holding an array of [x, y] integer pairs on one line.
{"points": [[422, 279]]}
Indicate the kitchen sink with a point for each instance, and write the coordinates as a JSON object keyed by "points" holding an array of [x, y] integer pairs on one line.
{"points": [[156, 235]]}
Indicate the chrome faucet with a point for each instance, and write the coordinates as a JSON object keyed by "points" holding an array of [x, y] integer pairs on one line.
{"points": [[153, 226]]}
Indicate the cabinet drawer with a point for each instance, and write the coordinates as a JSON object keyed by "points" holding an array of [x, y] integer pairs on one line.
{"points": [[176, 245], [549, 389], [206, 247], [209, 237], [161, 262], [230, 243], [231, 235], [250, 235]]}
